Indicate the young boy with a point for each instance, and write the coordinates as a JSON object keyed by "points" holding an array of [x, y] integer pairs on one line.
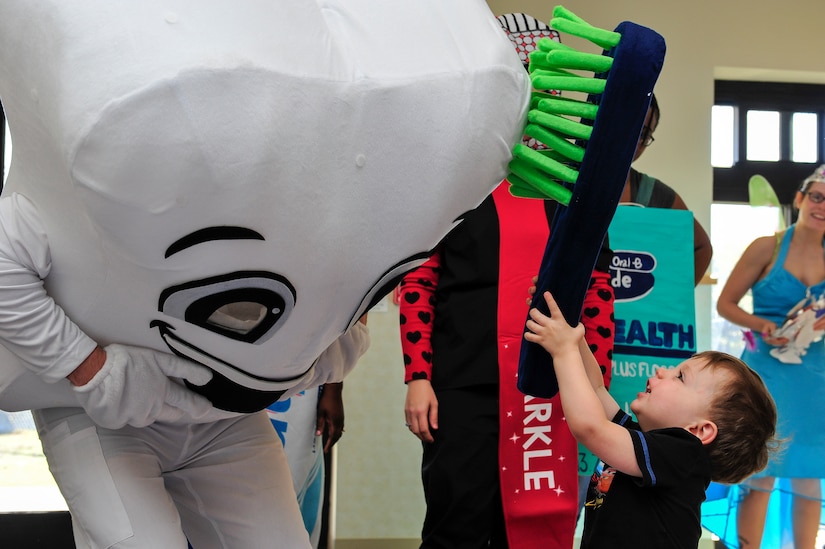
{"points": [[709, 418]]}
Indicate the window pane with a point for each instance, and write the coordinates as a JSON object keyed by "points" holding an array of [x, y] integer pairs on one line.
{"points": [[763, 136], [803, 140], [721, 136], [733, 228]]}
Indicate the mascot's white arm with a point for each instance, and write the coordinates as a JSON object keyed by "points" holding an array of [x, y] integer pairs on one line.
{"points": [[117, 385], [338, 359]]}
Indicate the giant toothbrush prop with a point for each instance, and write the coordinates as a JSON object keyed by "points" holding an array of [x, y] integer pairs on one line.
{"points": [[590, 148], [235, 185]]}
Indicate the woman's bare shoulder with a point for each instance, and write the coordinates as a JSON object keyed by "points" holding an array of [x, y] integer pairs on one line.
{"points": [[764, 247]]}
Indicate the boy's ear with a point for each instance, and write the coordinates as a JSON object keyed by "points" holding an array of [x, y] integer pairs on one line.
{"points": [[705, 430]]}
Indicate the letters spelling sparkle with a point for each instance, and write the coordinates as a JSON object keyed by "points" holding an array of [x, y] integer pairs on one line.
{"points": [[537, 446]]}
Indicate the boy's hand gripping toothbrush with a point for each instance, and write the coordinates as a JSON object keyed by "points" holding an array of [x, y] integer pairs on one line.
{"points": [[587, 161]]}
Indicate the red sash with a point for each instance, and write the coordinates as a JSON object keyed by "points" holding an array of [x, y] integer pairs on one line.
{"points": [[537, 453]]}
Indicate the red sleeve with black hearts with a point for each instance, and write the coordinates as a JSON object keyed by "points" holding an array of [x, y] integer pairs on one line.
{"points": [[417, 311]]}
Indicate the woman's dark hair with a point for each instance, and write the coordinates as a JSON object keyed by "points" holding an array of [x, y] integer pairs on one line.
{"points": [[654, 108]]}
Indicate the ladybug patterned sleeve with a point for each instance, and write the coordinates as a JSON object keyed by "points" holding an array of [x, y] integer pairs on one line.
{"points": [[599, 322], [417, 310]]}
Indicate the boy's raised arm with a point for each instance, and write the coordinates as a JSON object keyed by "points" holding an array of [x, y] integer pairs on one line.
{"points": [[594, 374], [588, 408]]}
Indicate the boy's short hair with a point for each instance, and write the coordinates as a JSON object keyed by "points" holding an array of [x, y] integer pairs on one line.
{"points": [[745, 417]]}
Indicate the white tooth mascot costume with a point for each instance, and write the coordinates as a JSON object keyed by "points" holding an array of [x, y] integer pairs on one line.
{"points": [[203, 200]]}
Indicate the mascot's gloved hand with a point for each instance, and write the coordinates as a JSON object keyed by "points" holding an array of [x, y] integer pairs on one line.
{"points": [[135, 387]]}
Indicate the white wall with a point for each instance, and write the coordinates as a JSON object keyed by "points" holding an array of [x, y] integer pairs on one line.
{"points": [[379, 494], [379, 491]]}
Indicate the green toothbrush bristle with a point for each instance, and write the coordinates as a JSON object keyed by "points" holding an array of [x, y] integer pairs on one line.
{"points": [[568, 83], [552, 119], [560, 105], [555, 142], [578, 61], [560, 124]]}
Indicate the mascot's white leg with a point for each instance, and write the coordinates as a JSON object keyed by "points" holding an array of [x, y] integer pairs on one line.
{"points": [[225, 484], [238, 493]]}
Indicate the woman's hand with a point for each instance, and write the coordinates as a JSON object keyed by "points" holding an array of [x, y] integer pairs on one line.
{"points": [[766, 330]]}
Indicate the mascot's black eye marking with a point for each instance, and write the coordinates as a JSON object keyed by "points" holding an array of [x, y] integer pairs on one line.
{"points": [[212, 233], [247, 306]]}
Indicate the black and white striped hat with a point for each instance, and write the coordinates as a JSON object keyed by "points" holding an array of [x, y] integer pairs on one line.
{"points": [[524, 30]]}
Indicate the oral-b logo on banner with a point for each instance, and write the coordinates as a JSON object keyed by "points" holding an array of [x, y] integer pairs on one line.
{"points": [[632, 274]]}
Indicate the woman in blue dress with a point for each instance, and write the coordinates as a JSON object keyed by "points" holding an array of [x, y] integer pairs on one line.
{"points": [[786, 275]]}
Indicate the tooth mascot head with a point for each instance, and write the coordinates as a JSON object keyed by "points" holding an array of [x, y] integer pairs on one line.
{"points": [[239, 182]]}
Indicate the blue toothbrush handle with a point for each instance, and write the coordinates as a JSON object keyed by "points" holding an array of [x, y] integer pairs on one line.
{"points": [[578, 230]]}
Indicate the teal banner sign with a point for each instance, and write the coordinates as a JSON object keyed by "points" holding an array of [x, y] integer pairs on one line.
{"points": [[652, 276]]}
